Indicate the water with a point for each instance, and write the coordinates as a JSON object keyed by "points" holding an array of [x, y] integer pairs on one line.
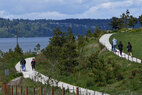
{"points": [[25, 43]]}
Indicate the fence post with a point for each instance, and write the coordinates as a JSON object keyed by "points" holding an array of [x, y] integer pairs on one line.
{"points": [[33, 91], [124, 55], [63, 91], [52, 91], [26, 90], [12, 90], [73, 89], [21, 90], [16, 90], [94, 92], [4, 87], [40, 90], [77, 91]]}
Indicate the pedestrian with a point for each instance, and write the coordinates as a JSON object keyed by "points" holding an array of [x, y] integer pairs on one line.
{"points": [[23, 64], [111, 46], [114, 43], [129, 49], [33, 63], [120, 47]]}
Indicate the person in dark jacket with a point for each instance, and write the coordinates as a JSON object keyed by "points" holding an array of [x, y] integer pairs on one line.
{"points": [[120, 47], [33, 64], [129, 48], [23, 63]]}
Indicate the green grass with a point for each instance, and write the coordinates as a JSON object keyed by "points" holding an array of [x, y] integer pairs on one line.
{"points": [[127, 86], [9, 63], [82, 77], [135, 38]]}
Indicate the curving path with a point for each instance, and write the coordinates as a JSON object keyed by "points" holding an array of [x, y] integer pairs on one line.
{"points": [[105, 41], [36, 76]]}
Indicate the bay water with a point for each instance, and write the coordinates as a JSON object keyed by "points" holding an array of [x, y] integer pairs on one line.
{"points": [[27, 44]]}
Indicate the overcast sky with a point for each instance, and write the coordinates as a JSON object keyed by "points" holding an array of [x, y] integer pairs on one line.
{"points": [[63, 9]]}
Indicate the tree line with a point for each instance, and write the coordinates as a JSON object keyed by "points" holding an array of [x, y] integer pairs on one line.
{"points": [[125, 21], [43, 27]]}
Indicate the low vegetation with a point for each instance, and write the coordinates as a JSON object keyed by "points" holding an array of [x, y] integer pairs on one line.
{"points": [[8, 61], [86, 63]]}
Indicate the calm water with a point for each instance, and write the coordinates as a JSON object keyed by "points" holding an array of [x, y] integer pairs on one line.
{"points": [[25, 43]]}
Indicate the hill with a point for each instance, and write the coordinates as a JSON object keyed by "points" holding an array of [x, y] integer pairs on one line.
{"points": [[134, 37], [43, 27], [94, 67]]}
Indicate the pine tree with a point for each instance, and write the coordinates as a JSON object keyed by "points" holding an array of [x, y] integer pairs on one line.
{"points": [[18, 50], [140, 19], [132, 21]]}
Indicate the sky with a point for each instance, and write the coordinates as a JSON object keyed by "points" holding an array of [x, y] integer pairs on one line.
{"points": [[65, 9]]}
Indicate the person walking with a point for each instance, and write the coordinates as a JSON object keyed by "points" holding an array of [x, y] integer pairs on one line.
{"points": [[120, 47], [129, 49], [33, 64], [114, 43], [23, 63]]}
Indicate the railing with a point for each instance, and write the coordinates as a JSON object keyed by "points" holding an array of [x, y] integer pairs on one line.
{"points": [[21, 90]]}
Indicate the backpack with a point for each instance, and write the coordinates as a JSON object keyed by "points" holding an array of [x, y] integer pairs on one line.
{"points": [[33, 62]]}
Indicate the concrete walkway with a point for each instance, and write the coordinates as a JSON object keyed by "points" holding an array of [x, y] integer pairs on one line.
{"points": [[105, 41], [36, 76]]}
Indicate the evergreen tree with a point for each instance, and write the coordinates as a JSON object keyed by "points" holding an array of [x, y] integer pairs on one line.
{"points": [[62, 49], [125, 17], [140, 19], [37, 48], [88, 34], [132, 21], [114, 23], [67, 59], [97, 32], [18, 50], [53, 50]]}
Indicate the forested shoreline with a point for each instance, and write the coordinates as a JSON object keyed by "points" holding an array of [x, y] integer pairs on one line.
{"points": [[44, 28]]}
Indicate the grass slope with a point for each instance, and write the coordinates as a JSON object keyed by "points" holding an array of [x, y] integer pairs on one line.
{"points": [[9, 63], [134, 37], [128, 85]]}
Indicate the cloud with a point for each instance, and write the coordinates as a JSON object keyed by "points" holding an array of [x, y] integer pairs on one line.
{"points": [[42, 15], [61, 9]]}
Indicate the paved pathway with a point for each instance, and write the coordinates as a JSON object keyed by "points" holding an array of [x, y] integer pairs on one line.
{"points": [[35, 76], [105, 41]]}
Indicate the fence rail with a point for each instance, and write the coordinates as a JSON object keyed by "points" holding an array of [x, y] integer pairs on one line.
{"points": [[21, 90]]}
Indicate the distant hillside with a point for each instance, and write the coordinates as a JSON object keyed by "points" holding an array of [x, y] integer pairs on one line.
{"points": [[42, 27]]}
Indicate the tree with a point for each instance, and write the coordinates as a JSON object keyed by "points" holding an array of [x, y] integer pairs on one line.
{"points": [[18, 50], [80, 41], [125, 17], [37, 48], [97, 32], [1, 53], [62, 51], [53, 50], [70, 37], [132, 21], [140, 19], [114, 23], [89, 34]]}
